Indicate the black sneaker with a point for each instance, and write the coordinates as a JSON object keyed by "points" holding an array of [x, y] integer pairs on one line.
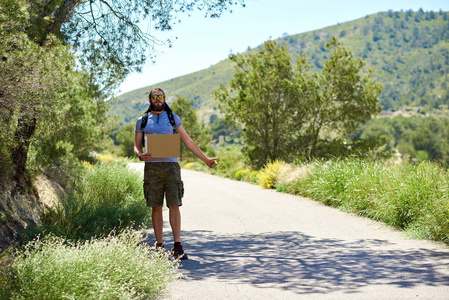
{"points": [[178, 252]]}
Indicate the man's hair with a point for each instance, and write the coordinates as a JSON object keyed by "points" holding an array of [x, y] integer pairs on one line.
{"points": [[154, 90]]}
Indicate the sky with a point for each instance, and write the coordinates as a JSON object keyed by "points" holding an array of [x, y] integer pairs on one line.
{"points": [[199, 42]]}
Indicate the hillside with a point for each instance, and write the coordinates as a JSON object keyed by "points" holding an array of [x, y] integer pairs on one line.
{"points": [[409, 52], [196, 87]]}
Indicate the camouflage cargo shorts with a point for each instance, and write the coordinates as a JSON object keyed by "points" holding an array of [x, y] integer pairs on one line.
{"points": [[163, 178]]}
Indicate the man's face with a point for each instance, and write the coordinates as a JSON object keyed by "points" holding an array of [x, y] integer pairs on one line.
{"points": [[158, 101]]}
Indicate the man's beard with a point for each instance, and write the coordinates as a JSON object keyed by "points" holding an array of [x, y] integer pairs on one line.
{"points": [[157, 108]]}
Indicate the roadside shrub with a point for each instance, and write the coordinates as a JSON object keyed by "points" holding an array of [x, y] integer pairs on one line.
{"points": [[105, 158], [247, 175], [410, 197], [291, 172], [114, 267], [269, 174], [254, 177], [106, 197]]}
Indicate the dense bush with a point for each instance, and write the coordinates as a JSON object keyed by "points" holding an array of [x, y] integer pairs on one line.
{"points": [[247, 175], [114, 267], [106, 197], [411, 197], [417, 138], [88, 247], [269, 174]]}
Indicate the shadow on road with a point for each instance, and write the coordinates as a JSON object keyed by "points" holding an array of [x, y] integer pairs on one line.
{"points": [[304, 264]]}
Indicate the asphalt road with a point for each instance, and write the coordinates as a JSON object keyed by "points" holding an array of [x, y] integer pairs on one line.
{"points": [[245, 242]]}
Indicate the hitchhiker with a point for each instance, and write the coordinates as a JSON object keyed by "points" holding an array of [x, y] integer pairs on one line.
{"points": [[162, 175]]}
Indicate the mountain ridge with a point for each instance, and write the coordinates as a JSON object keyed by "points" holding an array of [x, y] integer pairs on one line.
{"points": [[408, 51]]}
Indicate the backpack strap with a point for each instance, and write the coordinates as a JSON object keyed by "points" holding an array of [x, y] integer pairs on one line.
{"points": [[143, 124], [170, 117]]}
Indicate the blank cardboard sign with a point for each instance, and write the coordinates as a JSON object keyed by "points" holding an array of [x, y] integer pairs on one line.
{"points": [[163, 145]]}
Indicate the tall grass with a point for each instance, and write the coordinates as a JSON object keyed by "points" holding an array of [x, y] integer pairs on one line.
{"points": [[106, 197], [88, 248], [406, 196], [114, 267], [269, 174]]}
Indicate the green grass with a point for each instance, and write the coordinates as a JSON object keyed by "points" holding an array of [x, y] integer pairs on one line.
{"points": [[414, 198], [247, 175], [89, 246], [106, 197], [114, 267]]}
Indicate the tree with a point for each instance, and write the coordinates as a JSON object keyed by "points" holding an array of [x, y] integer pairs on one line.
{"points": [[45, 103], [108, 35], [219, 127], [59, 60], [27, 85], [427, 141], [49, 116], [380, 131], [39, 72], [338, 99], [78, 126], [261, 98], [288, 112], [126, 139], [195, 128]]}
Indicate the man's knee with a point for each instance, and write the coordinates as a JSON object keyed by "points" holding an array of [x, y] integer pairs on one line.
{"points": [[157, 209], [173, 207]]}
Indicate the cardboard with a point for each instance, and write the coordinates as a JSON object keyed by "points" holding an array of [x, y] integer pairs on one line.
{"points": [[163, 145]]}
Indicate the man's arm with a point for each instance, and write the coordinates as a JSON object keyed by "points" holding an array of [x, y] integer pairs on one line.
{"points": [[192, 146], [138, 137]]}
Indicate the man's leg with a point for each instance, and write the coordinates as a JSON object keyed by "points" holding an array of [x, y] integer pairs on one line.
{"points": [[153, 188], [158, 223], [175, 222], [173, 193]]}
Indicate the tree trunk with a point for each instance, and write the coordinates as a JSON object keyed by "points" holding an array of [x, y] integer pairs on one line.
{"points": [[26, 127], [314, 143]]}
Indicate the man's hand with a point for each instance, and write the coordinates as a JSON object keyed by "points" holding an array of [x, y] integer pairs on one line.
{"points": [[211, 162], [145, 156]]}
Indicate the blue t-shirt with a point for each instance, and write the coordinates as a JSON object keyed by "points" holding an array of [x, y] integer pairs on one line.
{"points": [[159, 124]]}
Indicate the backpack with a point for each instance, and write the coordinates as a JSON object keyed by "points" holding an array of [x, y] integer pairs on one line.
{"points": [[145, 121]]}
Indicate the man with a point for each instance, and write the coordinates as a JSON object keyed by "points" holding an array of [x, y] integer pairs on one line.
{"points": [[163, 175]]}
